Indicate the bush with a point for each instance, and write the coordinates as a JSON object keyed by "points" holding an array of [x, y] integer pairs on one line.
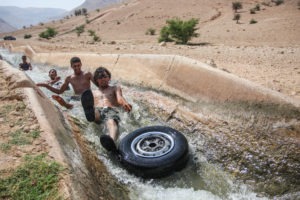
{"points": [[49, 33], [257, 7], [27, 36], [165, 35], [278, 2], [252, 11], [179, 31], [79, 30], [91, 32], [253, 21], [236, 5], [150, 31], [96, 38]]}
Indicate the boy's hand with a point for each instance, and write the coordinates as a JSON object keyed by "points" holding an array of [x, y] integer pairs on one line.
{"points": [[41, 84], [127, 107]]}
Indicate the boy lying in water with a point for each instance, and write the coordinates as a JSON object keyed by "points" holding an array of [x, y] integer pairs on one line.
{"points": [[99, 106]]}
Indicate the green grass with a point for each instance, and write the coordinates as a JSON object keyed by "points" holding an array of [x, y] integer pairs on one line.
{"points": [[4, 147], [37, 178], [19, 138]]}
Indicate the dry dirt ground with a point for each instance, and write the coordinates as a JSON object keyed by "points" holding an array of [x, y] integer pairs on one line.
{"points": [[20, 131], [267, 53]]}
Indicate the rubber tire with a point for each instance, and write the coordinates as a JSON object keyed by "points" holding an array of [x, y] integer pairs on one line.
{"points": [[154, 167]]}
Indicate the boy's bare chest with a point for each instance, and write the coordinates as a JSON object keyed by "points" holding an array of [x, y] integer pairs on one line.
{"points": [[106, 94], [79, 80]]}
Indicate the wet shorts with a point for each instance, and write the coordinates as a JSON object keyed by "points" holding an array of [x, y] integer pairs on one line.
{"points": [[108, 113], [74, 98]]}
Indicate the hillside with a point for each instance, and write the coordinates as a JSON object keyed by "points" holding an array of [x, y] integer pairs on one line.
{"points": [[5, 27], [96, 4], [267, 52], [19, 17]]}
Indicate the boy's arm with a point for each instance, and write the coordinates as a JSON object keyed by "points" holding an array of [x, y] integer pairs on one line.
{"points": [[121, 100], [30, 67], [91, 77], [55, 90], [54, 81]]}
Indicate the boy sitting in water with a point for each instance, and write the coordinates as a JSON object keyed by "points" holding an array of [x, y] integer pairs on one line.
{"points": [[79, 80], [99, 106], [55, 81], [24, 66]]}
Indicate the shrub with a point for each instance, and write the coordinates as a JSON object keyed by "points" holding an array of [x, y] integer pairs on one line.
{"points": [[91, 32], [27, 36], [253, 21], [236, 5], [164, 35], [237, 17], [257, 7], [278, 2], [79, 30], [150, 31], [96, 38], [252, 11], [179, 31], [49, 33]]}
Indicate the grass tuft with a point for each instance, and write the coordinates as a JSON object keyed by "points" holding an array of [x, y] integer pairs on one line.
{"points": [[37, 178]]}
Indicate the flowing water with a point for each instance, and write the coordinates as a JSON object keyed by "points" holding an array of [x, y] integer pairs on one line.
{"points": [[203, 178]]}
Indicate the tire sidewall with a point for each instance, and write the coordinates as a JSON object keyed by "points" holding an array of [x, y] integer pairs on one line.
{"points": [[158, 164]]}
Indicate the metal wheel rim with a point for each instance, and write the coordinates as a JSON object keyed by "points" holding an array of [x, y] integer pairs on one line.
{"points": [[152, 144]]}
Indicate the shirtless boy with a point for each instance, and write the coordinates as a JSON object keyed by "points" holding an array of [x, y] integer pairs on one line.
{"points": [[106, 99], [80, 82], [55, 81], [24, 66]]}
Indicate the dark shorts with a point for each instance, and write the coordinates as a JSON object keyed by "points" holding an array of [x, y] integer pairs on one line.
{"points": [[108, 113], [74, 98]]}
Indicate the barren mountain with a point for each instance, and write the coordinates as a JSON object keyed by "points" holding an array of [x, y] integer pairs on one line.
{"points": [[19, 17], [266, 52], [97, 4], [5, 27]]}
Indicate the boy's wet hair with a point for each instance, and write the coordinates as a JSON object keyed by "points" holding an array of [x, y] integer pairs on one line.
{"points": [[52, 70], [74, 60], [23, 57], [99, 73]]}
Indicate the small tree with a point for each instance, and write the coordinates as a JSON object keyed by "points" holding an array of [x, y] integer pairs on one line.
{"points": [[77, 12], [236, 6], [84, 11], [181, 31], [237, 17]]}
